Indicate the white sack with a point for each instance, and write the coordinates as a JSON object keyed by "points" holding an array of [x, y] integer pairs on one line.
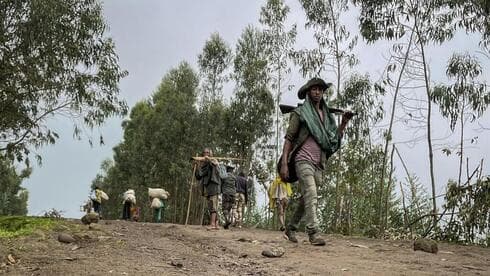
{"points": [[157, 193], [156, 203], [103, 195]]}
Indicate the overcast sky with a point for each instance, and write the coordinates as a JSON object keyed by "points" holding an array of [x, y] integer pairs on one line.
{"points": [[154, 36]]}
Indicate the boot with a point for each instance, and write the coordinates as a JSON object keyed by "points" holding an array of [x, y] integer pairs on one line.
{"points": [[315, 239], [291, 235]]}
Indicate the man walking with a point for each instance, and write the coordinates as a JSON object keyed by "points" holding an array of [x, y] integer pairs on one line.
{"points": [[241, 198], [210, 182], [311, 138], [228, 190]]}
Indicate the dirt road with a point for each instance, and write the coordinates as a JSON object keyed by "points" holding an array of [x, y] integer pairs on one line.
{"points": [[129, 248]]}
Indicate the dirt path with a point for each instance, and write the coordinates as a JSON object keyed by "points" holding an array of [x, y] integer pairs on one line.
{"points": [[126, 248]]}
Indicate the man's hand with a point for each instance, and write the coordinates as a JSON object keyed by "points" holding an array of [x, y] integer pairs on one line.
{"points": [[346, 116], [284, 173]]}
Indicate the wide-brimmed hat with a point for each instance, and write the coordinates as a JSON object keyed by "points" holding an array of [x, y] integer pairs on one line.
{"points": [[313, 82]]}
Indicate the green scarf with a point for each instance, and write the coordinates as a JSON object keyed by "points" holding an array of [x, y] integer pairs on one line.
{"points": [[325, 134]]}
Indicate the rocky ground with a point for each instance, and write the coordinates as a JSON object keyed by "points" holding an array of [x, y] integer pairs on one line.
{"points": [[130, 248]]}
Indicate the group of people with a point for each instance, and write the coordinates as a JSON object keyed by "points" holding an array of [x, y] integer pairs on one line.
{"points": [[157, 203], [311, 138], [217, 179]]}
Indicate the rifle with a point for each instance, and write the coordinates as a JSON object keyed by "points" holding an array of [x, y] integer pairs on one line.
{"points": [[288, 108]]}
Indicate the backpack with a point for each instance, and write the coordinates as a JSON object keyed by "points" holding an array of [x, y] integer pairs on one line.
{"points": [[222, 171]]}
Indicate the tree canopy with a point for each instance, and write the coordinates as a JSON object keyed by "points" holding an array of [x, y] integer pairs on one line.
{"points": [[55, 60]]}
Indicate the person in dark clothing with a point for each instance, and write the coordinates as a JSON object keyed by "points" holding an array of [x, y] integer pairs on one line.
{"points": [[127, 210], [228, 190], [210, 181], [241, 198]]}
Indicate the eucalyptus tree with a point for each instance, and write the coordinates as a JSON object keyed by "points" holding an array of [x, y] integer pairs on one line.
{"points": [[334, 41], [473, 203], [159, 138], [279, 45], [13, 197], [472, 16], [466, 99], [359, 165], [249, 119], [428, 21], [56, 60], [213, 62], [433, 21], [252, 103]]}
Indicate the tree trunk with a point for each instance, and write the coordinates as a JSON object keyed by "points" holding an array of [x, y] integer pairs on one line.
{"points": [[390, 180], [389, 133], [429, 135], [409, 177]]}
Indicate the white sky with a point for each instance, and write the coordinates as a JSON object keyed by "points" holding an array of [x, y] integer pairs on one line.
{"points": [[154, 36]]}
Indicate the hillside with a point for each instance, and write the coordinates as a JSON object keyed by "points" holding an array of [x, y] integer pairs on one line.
{"points": [[128, 248]]}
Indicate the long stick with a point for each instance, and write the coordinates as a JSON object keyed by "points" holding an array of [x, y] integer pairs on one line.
{"points": [[190, 193], [202, 158]]}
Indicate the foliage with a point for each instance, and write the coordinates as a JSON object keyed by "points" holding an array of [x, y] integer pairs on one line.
{"points": [[159, 138], [418, 205], [14, 226], [472, 202], [13, 198], [335, 43], [249, 118], [465, 96], [466, 93], [53, 213], [55, 60], [213, 61], [278, 42]]}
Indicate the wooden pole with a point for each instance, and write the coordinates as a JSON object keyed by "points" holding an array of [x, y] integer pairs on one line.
{"points": [[190, 192], [202, 158]]}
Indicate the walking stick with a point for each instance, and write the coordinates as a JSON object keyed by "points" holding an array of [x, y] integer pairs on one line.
{"points": [[190, 192]]}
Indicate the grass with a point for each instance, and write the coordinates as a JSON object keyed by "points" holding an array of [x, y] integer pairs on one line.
{"points": [[15, 226]]}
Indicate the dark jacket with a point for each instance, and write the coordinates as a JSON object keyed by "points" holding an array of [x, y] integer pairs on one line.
{"points": [[228, 186], [241, 186], [209, 178]]}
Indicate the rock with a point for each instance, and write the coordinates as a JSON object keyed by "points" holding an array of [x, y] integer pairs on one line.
{"points": [[425, 245], [176, 263], [90, 218], [244, 240], [273, 252], [65, 238]]}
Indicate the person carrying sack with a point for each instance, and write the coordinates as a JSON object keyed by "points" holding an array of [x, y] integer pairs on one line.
{"points": [[129, 199], [99, 195]]}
